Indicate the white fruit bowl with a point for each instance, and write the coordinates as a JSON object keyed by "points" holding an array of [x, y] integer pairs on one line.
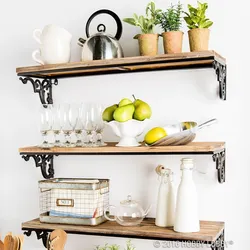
{"points": [[128, 131]]}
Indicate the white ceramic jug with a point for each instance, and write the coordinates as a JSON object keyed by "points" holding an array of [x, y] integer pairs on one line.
{"points": [[186, 214], [54, 43]]}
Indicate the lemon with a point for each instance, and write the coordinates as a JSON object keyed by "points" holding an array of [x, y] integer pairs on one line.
{"points": [[154, 135]]}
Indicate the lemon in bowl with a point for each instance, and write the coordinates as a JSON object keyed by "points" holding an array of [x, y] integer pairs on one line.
{"points": [[154, 135]]}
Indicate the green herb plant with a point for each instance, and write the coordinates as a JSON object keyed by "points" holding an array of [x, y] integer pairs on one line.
{"points": [[196, 18], [129, 246], [146, 23], [171, 20]]}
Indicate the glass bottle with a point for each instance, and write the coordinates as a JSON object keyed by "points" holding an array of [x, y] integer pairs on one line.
{"points": [[186, 214], [166, 199]]}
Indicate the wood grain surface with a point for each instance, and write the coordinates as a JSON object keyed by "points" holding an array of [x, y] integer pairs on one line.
{"points": [[210, 230], [127, 64], [202, 147]]}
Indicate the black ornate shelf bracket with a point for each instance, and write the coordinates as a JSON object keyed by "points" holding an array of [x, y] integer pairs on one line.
{"points": [[220, 159], [41, 234], [221, 72], [45, 162], [219, 244], [43, 87]]}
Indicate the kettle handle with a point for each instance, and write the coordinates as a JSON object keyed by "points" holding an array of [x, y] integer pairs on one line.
{"points": [[106, 210], [102, 27]]}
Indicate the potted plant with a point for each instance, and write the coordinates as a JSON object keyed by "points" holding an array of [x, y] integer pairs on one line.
{"points": [[198, 25], [148, 40], [170, 21], [129, 246]]}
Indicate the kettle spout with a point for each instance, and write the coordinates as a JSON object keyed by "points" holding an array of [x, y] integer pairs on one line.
{"points": [[81, 42], [147, 211]]}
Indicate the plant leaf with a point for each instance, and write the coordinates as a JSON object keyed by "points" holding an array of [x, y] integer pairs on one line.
{"points": [[188, 20], [208, 24], [129, 21], [136, 36]]}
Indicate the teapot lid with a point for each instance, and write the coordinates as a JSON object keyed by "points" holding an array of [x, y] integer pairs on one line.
{"points": [[129, 202]]}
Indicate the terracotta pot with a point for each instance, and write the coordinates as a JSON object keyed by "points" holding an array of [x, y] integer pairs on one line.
{"points": [[172, 42], [198, 39], [148, 44]]}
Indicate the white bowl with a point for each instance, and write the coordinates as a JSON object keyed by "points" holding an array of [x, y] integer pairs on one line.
{"points": [[128, 131]]}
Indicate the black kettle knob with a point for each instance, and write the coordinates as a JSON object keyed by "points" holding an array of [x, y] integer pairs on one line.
{"points": [[102, 27]]}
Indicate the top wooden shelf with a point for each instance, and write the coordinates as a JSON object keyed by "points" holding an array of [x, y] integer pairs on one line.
{"points": [[124, 65]]}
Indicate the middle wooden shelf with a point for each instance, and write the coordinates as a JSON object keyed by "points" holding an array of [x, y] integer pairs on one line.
{"points": [[44, 158]]}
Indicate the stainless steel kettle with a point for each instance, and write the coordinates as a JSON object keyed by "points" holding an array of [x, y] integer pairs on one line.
{"points": [[101, 45]]}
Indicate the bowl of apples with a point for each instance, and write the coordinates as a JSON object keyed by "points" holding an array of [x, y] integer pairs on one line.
{"points": [[128, 120]]}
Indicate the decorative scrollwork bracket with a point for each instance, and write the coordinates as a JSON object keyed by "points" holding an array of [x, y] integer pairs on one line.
{"points": [[220, 159], [43, 87], [41, 234], [219, 244], [45, 162], [221, 71]]}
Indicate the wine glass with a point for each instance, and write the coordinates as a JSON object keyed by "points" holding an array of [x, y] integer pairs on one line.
{"points": [[89, 124], [79, 127], [70, 117], [57, 124], [45, 124], [99, 125]]}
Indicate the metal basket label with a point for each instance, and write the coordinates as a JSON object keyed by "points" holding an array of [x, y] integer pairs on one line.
{"points": [[65, 202]]}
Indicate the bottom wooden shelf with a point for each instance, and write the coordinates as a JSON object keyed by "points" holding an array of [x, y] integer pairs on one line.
{"points": [[210, 231]]}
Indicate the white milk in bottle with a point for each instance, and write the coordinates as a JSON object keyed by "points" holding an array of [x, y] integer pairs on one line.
{"points": [[186, 214]]}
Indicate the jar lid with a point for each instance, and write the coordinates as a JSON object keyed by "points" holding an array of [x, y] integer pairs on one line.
{"points": [[163, 171], [187, 163], [129, 202]]}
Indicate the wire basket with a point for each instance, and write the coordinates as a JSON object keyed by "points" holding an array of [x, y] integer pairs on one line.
{"points": [[73, 201]]}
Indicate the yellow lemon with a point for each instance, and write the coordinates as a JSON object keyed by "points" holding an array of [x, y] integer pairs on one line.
{"points": [[154, 135]]}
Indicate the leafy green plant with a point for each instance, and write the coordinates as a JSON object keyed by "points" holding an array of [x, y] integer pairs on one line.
{"points": [[171, 20], [196, 18], [146, 23], [129, 246], [108, 247]]}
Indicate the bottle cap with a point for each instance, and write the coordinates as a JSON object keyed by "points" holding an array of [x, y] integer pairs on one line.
{"points": [[187, 163], [163, 171]]}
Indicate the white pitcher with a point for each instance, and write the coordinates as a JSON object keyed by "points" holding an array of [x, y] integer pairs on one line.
{"points": [[54, 43]]}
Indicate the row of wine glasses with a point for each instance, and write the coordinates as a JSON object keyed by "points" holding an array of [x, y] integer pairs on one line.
{"points": [[83, 120]]}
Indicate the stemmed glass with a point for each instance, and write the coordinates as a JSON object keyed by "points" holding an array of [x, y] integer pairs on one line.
{"points": [[99, 125], [79, 127], [70, 117], [89, 124], [46, 121], [57, 124]]}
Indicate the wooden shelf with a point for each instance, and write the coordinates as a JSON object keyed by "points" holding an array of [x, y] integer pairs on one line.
{"points": [[128, 64], [111, 149], [44, 158], [210, 230], [189, 60]]}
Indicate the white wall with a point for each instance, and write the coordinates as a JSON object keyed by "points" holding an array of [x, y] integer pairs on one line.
{"points": [[173, 95]]}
